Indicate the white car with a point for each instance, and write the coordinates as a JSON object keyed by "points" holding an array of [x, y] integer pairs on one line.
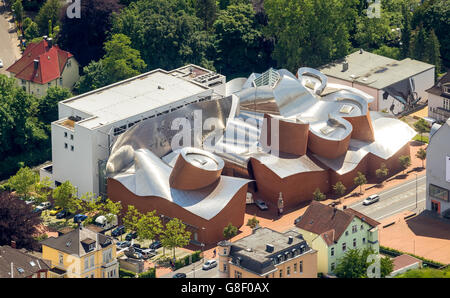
{"points": [[261, 205], [371, 199], [44, 205], [1, 63], [209, 264]]}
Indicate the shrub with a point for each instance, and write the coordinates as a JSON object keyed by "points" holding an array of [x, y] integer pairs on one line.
{"points": [[126, 273], [151, 273]]}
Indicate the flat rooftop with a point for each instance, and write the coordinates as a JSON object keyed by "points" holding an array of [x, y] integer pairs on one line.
{"points": [[150, 91], [374, 70]]}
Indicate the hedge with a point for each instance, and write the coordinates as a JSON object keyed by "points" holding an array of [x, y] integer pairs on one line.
{"points": [[396, 253], [126, 273], [185, 261], [151, 273]]}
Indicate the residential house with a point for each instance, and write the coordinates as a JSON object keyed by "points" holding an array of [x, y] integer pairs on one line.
{"points": [[397, 86], [81, 253], [438, 171], [333, 232], [44, 65], [439, 99], [267, 254], [18, 263]]}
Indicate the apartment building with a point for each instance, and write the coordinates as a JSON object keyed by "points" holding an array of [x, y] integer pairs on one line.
{"points": [[332, 232], [268, 254], [81, 253]]}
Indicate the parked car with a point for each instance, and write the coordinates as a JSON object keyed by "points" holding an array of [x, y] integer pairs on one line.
{"points": [[37, 210], [29, 202], [1, 63], [147, 253], [371, 199], [56, 210], [130, 236], [44, 205], [103, 222], [118, 231], [179, 275], [62, 214], [261, 205], [209, 264], [155, 245], [123, 244], [136, 245], [79, 217]]}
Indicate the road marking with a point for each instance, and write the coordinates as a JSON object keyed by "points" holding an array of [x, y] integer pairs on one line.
{"points": [[401, 209]]}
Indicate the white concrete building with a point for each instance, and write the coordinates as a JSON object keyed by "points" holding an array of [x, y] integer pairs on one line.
{"points": [[439, 99], [394, 84], [89, 123], [438, 171]]}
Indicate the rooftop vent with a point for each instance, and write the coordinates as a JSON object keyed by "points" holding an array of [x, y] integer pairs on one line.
{"points": [[326, 130], [160, 87], [345, 66], [290, 239], [32, 263], [20, 269], [269, 248]]}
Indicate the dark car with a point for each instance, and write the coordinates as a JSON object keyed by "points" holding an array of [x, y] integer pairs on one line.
{"points": [[130, 236], [118, 231], [79, 218], [179, 275], [155, 245], [62, 214], [136, 245], [37, 210], [123, 244]]}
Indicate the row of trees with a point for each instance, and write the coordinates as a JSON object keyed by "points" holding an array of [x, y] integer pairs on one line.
{"points": [[149, 226], [360, 179]]}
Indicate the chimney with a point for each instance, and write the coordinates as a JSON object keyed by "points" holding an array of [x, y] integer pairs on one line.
{"points": [[345, 66], [269, 248], [13, 244], [50, 42], [290, 239], [36, 64]]}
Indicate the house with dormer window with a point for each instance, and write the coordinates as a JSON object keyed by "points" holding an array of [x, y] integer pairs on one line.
{"points": [[43, 65], [439, 99], [81, 253], [332, 232]]}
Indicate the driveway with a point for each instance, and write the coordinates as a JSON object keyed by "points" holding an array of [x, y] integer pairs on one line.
{"points": [[9, 45], [195, 270]]}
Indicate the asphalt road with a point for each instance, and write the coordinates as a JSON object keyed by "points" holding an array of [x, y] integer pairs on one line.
{"points": [[396, 200], [195, 270], [9, 51]]}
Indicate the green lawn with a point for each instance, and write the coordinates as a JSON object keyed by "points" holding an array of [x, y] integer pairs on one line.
{"points": [[425, 273], [423, 139]]}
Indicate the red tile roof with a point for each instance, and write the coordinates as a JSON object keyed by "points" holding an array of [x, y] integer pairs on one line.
{"points": [[51, 63], [329, 222]]}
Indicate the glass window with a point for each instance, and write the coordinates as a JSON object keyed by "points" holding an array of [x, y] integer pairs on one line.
{"points": [[332, 266], [86, 263], [344, 247], [65, 145], [295, 268], [281, 273], [332, 251], [364, 240], [301, 266], [61, 259], [288, 270], [354, 229], [346, 233], [237, 274], [65, 134], [437, 192], [354, 242]]}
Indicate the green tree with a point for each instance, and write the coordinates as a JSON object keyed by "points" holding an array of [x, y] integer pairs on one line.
{"points": [[31, 32], [419, 44], [230, 231], [391, 52], [339, 188], [307, 32], [175, 235], [94, 77], [49, 12], [42, 190], [360, 180], [132, 218], [23, 181], [18, 11], [252, 222], [48, 104], [433, 53], [65, 197], [406, 32], [405, 162], [354, 264], [318, 195], [149, 226], [121, 61], [421, 127], [206, 11], [382, 172], [422, 155]]}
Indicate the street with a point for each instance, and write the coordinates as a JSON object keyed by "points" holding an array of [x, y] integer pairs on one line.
{"points": [[9, 50], [397, 199], [195, 271]]}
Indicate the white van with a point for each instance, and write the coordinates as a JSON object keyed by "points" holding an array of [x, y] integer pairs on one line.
{"points": [[103, 223]]}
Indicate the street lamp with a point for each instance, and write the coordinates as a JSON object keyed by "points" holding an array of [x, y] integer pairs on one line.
{"points": [[203, 244], [162, 221], [416, 189]]}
